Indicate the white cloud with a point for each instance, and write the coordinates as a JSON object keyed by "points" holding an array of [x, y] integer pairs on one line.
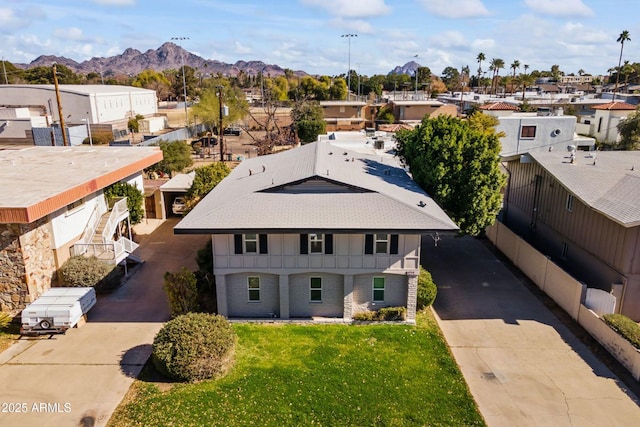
{"points": [[354, 25], [13, 20], [240, 49], [483, 44], [115, 2], [351, 8], [559, 8], [73, 33], [448, 39], [455, 8]]}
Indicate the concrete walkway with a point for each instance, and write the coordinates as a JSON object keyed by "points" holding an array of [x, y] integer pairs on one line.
{"points": [[80, 378], [522, 365]]}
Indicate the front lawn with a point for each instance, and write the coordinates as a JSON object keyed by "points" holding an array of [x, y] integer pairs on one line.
{"points": [[338, 375]]}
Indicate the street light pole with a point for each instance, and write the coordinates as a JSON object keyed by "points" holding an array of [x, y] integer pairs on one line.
{"points": [[416, 76], [349, 36], [184, 82]]}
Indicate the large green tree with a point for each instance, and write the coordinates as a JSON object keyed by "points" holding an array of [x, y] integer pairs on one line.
{"points": [[176, 157], [135, 199], [629, 130], [206, 178], [457, 163], [308, 120], [207, 109]]}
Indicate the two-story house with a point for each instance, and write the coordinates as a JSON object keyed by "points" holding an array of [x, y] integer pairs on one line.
{"points": [[316, 231], [343, 115], [52, 206], [583, 210]]}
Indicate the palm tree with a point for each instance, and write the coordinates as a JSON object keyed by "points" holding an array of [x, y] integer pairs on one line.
{"points": [[514, 65], [497, 64], [623, 37], [480, 58]]}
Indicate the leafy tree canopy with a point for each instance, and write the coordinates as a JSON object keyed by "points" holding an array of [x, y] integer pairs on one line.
{"points": [[206, 178], [457, 163], [135, 199], [308, 120], [629, 130], [176, 157]]}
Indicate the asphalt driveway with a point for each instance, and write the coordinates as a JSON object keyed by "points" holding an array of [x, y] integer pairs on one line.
{"points": [[80, 378], [522, 365]]}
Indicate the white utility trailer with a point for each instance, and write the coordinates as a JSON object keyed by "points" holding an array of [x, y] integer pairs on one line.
{"points": [[57, 310]]}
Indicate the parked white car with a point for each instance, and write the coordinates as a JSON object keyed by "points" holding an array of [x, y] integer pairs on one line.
{"points": [[178, 205]]}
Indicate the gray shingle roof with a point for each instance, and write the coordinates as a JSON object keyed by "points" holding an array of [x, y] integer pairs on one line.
{"points": [[345, 191], [611, 186]]}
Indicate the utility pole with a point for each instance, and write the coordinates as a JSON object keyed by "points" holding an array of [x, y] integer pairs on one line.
{"points": [[184, 81], [220, 130], [416, 76], [61, 116], [6, 81]]}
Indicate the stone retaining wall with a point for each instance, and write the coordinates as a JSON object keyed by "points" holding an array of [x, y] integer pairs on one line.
{"points": [[27, 264]]}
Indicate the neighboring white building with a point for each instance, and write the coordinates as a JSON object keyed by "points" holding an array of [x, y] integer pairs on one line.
{"points": [[51, 206], [603, 125], [530, 132], [16, 123], [320, 230], [98, 103]]}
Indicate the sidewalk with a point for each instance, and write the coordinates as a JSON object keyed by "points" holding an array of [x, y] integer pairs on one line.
{"points": [[80, 378], [522, 365]]}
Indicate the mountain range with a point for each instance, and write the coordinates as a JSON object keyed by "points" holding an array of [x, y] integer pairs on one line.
{"points": [[171, 56]]}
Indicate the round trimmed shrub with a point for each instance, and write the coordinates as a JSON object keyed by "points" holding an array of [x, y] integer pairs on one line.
{"points": [[194, 347], [81, 271], [427, 289]]}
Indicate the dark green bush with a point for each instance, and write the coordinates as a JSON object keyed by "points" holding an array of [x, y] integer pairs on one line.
{"points": [[427, 289], [81, 271], [194, 347], [364, 315], [624, 326], [182, 291], [135, 199], [392, 313], [386, 313]]}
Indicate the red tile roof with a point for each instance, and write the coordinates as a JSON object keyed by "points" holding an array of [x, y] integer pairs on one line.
{"points": [[501, 106], [615, 106]]}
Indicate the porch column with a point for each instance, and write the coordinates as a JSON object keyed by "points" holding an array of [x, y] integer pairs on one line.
{"points": [[412, 294], [221, 295], [347, 311], [284, 296]]}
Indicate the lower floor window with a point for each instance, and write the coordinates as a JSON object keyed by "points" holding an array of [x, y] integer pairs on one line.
{"points": [[315, 289], [253, 284], [378, 288]]}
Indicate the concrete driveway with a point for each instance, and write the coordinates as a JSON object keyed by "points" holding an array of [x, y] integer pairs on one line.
{"points": [[80, 378], [522, 365]]}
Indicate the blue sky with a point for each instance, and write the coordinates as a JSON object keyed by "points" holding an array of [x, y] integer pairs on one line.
{"points": [[306, 34]]}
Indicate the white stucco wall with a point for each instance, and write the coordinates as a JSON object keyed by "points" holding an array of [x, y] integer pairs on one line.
{"points": [[68, 225], [551, 131]]}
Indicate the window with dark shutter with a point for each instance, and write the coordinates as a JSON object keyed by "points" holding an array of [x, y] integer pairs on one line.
{"points": [[368, 244], [304, 244], [237, 243], [393, 244], [262, 240], [328, 244]]}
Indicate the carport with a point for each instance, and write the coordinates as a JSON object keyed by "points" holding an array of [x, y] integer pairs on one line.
{"points": [[175, 187]]}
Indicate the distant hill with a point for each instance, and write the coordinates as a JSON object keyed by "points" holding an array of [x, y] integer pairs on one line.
{"points": [[170, 56], [408, 68], [167, 56]]}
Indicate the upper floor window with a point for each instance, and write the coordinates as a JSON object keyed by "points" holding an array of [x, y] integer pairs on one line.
{"points": [[75, 206], [528, 132], [316, 243], [381, 243], [570, 202], [250, 243]]}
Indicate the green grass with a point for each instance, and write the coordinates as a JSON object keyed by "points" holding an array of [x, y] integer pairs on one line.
{"points": [[331, 375]]}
